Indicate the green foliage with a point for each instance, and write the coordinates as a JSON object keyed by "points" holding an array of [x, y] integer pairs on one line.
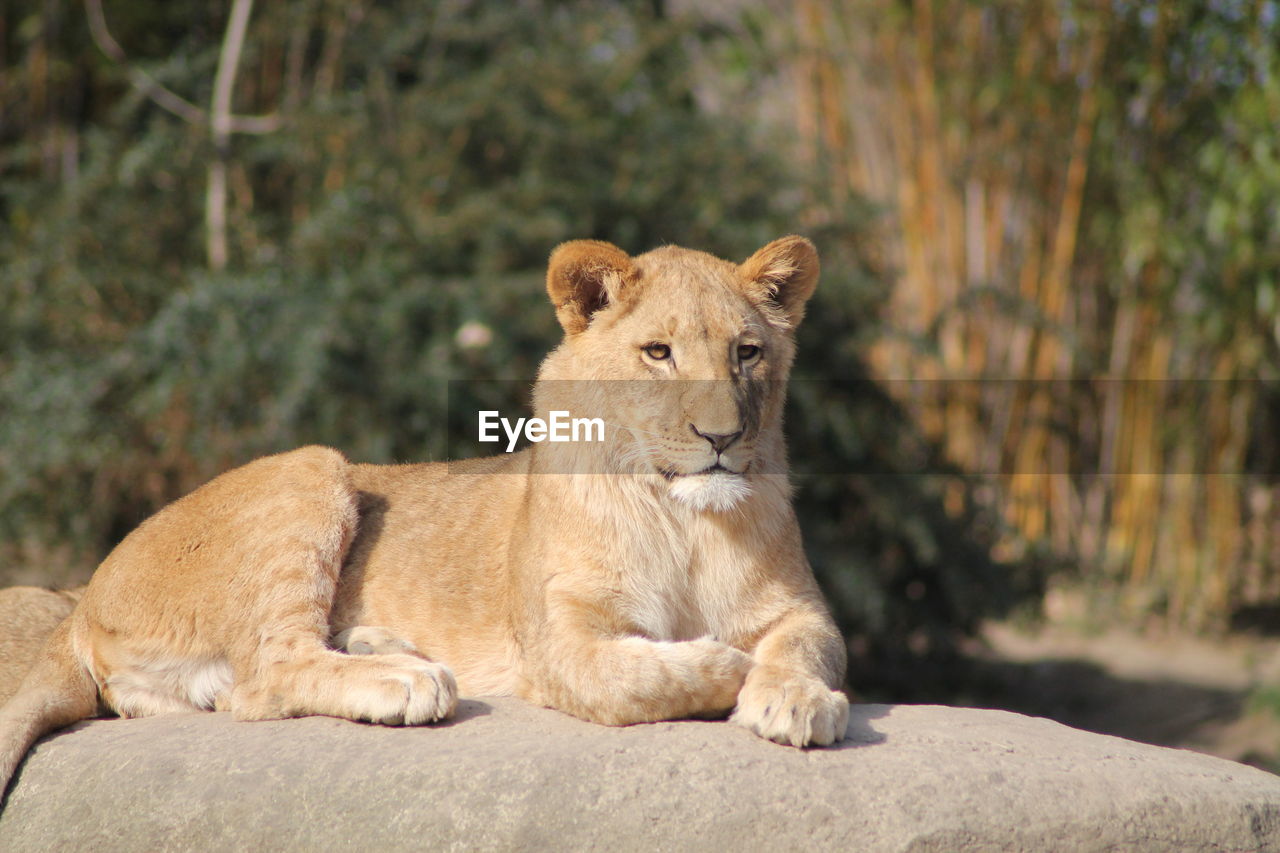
{"points": [[906, 570], [1078, 191], [1265, 700], [1188, 175], [429, 159]]}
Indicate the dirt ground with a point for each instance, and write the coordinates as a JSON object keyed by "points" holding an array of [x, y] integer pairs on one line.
{"points": [[1220, 696]]}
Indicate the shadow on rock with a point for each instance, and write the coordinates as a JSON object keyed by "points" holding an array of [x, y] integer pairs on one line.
{"points": [[860, 732], [1083, 695], [468, 709]]}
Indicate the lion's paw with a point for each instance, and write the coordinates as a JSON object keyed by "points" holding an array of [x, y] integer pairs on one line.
{"points": [[399, 689], [791, 709], [713, 671]]}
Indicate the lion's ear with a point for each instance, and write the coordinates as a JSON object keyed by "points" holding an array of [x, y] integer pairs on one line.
{"points": [[782, 277], [584, 276]]}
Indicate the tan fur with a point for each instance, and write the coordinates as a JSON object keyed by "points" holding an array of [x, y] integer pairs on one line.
{"points": [[620, 581], [28, 616]]}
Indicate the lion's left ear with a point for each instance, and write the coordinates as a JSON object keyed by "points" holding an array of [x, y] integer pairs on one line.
{"points": [[782, 276]]}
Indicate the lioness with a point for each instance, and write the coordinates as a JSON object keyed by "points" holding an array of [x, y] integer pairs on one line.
{"points": [[664, 578]]}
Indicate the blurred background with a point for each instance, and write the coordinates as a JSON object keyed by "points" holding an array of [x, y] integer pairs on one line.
{"points": [[1042, 372]]}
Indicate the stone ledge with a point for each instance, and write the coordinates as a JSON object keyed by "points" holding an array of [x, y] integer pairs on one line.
{"points": [[504, 775]]}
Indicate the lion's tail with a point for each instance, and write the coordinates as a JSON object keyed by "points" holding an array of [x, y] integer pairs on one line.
{"points": [[57, 692]]}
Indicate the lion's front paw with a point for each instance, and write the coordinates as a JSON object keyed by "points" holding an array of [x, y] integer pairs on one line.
{"points": [[791, 709], [719, 671]]}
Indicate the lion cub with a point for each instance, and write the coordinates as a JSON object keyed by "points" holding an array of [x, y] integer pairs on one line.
{"points": [[655, 574]]}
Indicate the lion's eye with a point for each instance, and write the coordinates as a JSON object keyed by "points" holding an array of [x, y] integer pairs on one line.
{"points": [[748, 352], [657, 352]]}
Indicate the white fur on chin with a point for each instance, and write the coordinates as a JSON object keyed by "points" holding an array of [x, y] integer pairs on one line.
{"points": [[718, 492]]}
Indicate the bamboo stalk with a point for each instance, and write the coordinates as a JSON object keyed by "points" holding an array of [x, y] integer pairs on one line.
{"points": [[967, 188]]}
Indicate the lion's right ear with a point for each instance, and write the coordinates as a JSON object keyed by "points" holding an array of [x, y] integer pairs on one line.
{"points": [[584, 276]]}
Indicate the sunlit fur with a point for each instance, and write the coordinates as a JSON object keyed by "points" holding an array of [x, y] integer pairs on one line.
{"points": [[28, 616], [714, 492], [646, 577]]}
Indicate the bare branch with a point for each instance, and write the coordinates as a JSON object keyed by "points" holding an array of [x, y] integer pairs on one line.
{"points": [[224, 82], [157, 91], [143, 81], [268, 123], [228, 64]]}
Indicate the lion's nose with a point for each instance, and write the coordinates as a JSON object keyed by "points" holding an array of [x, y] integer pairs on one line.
{"points": [[719, 440]]}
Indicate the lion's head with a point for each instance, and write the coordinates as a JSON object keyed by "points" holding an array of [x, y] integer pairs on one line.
{"points": [[683, 355]]}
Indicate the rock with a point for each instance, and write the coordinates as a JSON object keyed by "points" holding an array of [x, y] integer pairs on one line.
{"points": [[505, 775]]}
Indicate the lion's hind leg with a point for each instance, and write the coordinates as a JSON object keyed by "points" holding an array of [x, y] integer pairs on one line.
{"points": [[290, 671], [244, 572], [392, 689]]}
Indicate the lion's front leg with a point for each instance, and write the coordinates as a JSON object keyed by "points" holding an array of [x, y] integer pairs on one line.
{"points": [[788, 696], [623, 680], [635, 680]]}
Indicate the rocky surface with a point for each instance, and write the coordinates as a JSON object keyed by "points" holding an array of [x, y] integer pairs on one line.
{"points": [[504, 775]]}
